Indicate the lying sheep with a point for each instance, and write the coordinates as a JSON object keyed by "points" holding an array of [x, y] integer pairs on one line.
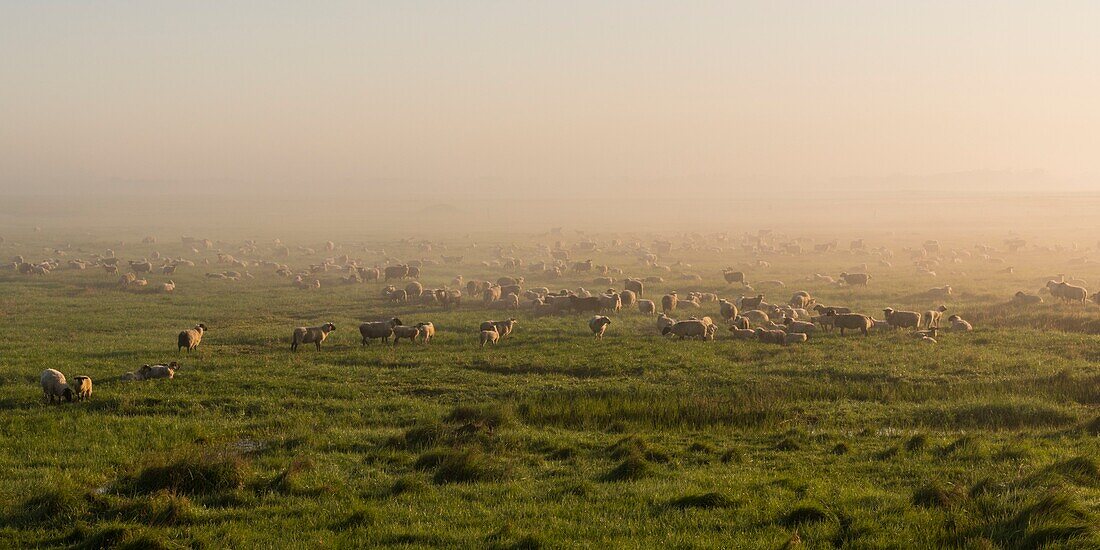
{"points": [[799, 327], [932, 317], [54, 386], [771, 336], [190, 338], [489, 337], [382, 330], [663, 322], [598, 325], [742, 333], [690, 328], [406, 332], [310, 335], [755, 316], [795, 338], [153, 372], [1024, 298], [82, 387], [855, 279], [851, 321], [902, 319], [958, 324]]}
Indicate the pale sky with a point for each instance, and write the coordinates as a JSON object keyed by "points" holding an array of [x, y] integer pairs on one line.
{"points": [[555, 97]]}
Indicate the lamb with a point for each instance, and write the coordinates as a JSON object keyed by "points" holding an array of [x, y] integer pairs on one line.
{"points": [[855, 279], [751, 303], [851, 321], [801, 299], [1067, 292], [598, 325], [799, 327], [902, 319], [502, 328], [647, 307], [407, 332], [378, 329], [427, 331], [932, 317], [310, 335], [958, 324], [168, 287], [82, 387], [668, 302], [727, 309], [190, 338], [489, 337], [628, 298], [771, 336], [690, 328], [742, 333], [54, 386]]}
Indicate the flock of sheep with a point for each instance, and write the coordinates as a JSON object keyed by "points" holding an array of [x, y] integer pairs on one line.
{"points": [[744, 318]]}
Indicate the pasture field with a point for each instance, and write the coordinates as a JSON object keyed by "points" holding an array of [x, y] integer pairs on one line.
{"points": [[986, 439]]}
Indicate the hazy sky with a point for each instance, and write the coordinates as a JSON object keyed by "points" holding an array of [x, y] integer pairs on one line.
{"points": [[548, 97]]}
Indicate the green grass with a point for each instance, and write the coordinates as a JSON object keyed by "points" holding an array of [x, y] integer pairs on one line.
{"points": [[550, 439]]}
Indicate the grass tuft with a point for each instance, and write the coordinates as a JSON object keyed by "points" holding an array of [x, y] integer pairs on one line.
{"points": [[936, 495], [805, 514], [703, 500], [632, 468]]}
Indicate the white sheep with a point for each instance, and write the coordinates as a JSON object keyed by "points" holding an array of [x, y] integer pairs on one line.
{"points": [[598, 325], [958, 324], [54, 386], [190, 338], [310, 335]]}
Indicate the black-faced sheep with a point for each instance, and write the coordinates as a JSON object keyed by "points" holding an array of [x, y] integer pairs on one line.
{"points": [[54, 386], [310, 335], [190, 338], [382, 330]]}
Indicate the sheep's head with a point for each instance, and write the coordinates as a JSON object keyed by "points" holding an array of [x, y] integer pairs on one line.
{"points": [[888, 311], [67, 395], [329, 327]]}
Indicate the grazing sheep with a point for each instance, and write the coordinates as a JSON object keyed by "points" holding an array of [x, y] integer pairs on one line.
{"points": [[799, 327], [82, 387], [407, 332], [612, 302], [489, 337], [634, 285], [1067, 292], [310, 335], [727, 309], [648, 307], [190, 338], [932, 317], [732, 276], [850, 321], [414, 289], [902, 319], [751, 303], [669, 301], [382, 330], [663, 322], [755, 316], [689, 328], [427, 331], [825, 310], [958, 324], [396, 272], [855, 279], [801, 299], [502, 328], [628, 298], [54, 387], [598, 324]]}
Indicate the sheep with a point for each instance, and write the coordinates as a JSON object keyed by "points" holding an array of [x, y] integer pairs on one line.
{"points": [[190, 338], [378, 329], [427, 331], [669, 301], [940, 292], [502, 328], [647, 307], [732, 276], [824, 310], [627, 298], [491, 294], [1067, 292], [147, 372], [168, 287], [801, 299], [310, 335], [771, 336], [54, 386], [690, 328], [958, 324], [414, 289], [799, 327], [855, 279], [396, 272], [851, 321], [932, 317], [489, 337], [902, 319], [727, 309], [755, 316], [795, 338], [742, 333], [407, 332], [598, 325], [634, 285], [663, 322], [510, 301], [751, 303], [1024, 298], [82, 387]]}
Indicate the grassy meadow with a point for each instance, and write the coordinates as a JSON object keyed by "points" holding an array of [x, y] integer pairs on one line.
{"points": [[986, 439]]}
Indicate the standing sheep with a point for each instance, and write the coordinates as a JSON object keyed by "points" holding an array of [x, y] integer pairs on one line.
{"points": [[850, 321], [727, 309], [54, 386], [932, 317], [855, 279], [902, 319], [669, 301], [598, 324], [378, 329], [82, 387], [489, 337], [406, 332], [502, 328], [310, 335], [647, 307], [1067, 292], [190, 338], [427, 331]]}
